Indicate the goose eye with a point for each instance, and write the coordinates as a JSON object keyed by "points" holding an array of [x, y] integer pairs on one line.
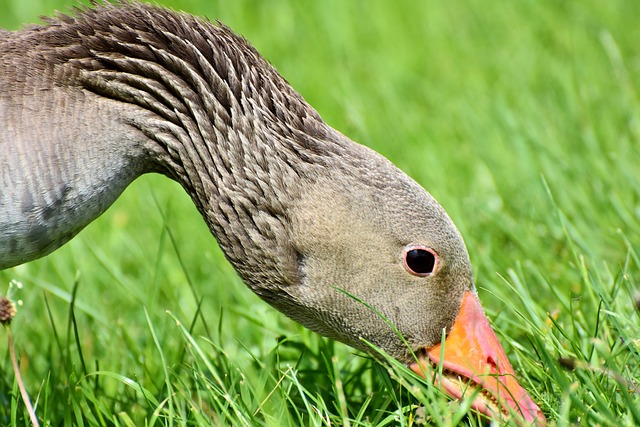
{"points": [[420, 260]]}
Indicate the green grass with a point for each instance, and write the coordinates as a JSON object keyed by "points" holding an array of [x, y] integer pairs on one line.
{"points": [[522, 119]]}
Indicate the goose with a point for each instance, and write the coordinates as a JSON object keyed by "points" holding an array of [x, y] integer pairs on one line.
{"points": [[327, 231]]}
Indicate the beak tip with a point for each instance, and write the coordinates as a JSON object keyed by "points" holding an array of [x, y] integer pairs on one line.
{"points": [[533, 414]]}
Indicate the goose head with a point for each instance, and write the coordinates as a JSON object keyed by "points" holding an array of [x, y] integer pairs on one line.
{"points": [[379, 265]]}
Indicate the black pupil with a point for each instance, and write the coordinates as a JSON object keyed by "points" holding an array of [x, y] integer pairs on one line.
{"points": [[420, 261]]}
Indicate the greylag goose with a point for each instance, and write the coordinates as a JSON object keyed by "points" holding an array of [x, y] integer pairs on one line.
{"points": [[326, 230]]}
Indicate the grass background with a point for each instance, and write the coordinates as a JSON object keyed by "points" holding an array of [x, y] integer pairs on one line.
{"points": [[523, 121]]}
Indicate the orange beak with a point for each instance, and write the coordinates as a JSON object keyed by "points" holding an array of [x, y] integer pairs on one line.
{"points": [[474, 361]]}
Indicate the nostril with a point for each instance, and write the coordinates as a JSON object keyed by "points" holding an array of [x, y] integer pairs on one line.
{"points": [[492, 363]]}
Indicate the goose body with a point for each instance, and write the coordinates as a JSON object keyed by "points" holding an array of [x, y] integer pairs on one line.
{"points": [[324, 229]]}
